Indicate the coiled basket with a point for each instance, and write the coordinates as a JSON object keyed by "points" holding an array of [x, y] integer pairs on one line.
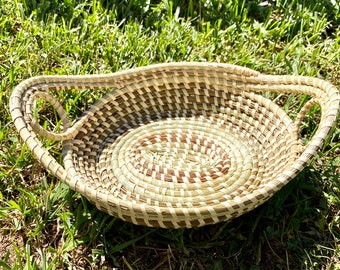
{"points": [[179, 144]]}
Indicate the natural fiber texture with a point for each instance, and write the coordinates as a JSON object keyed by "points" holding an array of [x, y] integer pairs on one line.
{"points": [[180, 144]]}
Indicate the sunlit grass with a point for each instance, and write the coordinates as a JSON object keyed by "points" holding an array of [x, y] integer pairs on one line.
{"points": [[44, 225]]}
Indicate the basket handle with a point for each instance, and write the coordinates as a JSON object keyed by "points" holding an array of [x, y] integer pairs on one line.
{"points": [[68, 132], [322, 93], [304, 110], [22, 103]]}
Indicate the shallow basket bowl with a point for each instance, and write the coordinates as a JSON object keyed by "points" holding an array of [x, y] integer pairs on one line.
{"points": [[180, 144]]}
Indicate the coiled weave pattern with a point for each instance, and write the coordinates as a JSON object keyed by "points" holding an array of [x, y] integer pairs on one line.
{"points": [[179, 144]]}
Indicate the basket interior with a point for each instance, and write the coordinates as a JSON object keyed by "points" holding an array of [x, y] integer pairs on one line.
{"points": [[181, 148]]}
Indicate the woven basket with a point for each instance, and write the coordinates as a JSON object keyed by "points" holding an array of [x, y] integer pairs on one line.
{"points": [[177, 145]]}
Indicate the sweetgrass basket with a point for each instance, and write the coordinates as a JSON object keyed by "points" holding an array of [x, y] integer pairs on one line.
{"points": [[177, 145]]}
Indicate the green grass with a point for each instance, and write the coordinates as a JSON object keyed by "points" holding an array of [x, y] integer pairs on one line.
{"points": [[44, 225]]}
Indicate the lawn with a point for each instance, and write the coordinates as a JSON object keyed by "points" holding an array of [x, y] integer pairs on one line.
{"points": [[45, 225]]}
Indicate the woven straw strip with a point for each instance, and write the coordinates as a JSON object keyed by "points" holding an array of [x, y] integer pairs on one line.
{"points": [[179, 144]]}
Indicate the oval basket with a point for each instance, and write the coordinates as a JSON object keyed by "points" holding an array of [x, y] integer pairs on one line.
{"points": [[177, 145]]}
